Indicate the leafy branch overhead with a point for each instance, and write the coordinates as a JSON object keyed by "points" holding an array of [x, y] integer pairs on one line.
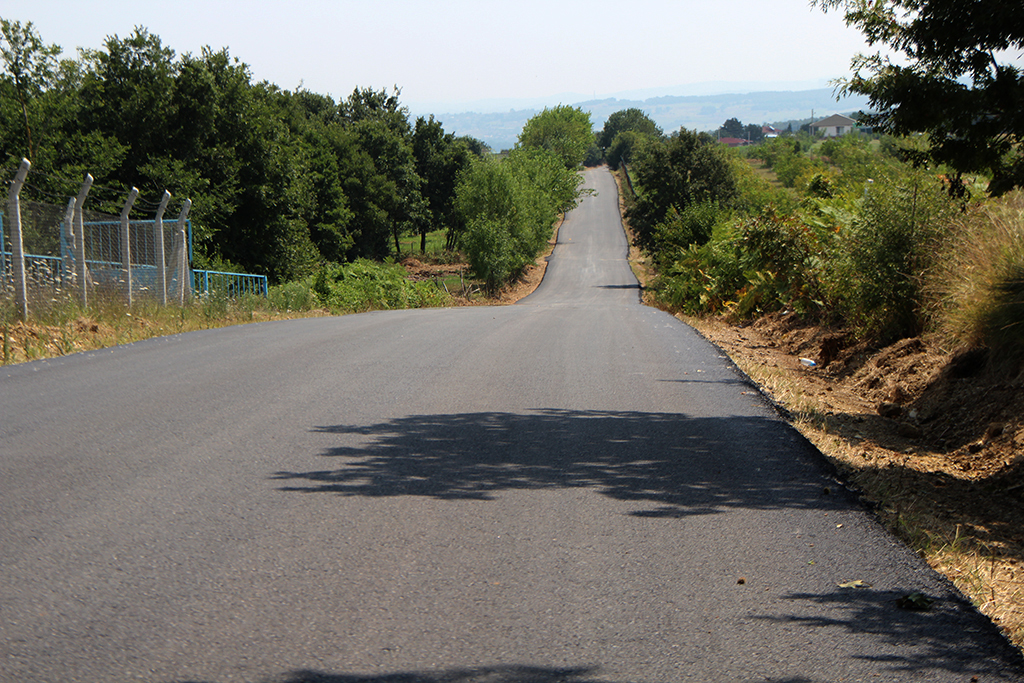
{"points": [[565, 131], [958, 84]]}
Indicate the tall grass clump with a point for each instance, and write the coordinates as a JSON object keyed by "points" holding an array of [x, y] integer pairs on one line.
{"points": [[293, 296], [979, 279]]}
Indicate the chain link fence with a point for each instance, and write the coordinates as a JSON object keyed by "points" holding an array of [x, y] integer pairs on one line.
{"points": [[52, 251], [52, 258]]}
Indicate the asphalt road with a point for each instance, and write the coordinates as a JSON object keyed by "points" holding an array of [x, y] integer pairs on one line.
{"points": [[575, 488]]}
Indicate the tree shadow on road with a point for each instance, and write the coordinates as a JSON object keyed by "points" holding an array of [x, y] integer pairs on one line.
{"points": [[670, 464], [948, 635], [496, 674], [488, 674]]}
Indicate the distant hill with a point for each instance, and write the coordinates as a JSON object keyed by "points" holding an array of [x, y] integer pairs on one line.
{"points": [[695, 112]]}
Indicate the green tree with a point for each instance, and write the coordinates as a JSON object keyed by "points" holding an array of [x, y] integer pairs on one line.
{"points": [[624, 132], [134, 77], [633, 120], [476, 147], [381, 183], [29, 66], [752, 133], [330, 217], [733, 128], [594, 156], [956, 84], [268, 230], [875, 276], [440, 159], [564, 130], [687, 168], [625, 146], [508, 208]]}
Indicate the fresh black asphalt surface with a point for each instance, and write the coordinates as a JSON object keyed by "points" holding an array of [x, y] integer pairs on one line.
{"points": [[575, 488]]}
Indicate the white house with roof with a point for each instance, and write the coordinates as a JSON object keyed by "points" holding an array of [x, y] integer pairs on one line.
{"points": [[834, 126]]}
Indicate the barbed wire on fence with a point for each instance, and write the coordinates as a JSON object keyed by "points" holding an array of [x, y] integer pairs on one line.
{"points": [[57, 189]]}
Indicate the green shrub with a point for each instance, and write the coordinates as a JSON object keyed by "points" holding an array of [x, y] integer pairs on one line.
{"points": [[490, 247], [365, 285], [362, 285], [755, 266], [779, 257], [786, 157], [703, 279], [876, 272], [821, 185], [624, 147], [755, 192], [693, 225], [508, 208]]}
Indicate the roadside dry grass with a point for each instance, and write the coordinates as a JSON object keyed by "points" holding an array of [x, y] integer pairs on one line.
{"points": [[60, 328]]}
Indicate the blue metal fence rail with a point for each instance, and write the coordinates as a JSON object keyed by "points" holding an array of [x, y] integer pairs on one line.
{"points": [[53, 270], [229, 284]]}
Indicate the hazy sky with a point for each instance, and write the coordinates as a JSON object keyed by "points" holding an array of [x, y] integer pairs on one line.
{"points": [[460, 51]]}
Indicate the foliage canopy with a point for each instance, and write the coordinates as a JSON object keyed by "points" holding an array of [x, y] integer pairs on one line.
{"points": [[957, 86], [687, 168], [566, 131], [633, 120]]}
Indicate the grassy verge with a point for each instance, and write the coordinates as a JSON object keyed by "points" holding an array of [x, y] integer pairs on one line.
{"points": [[65, 327], [58, 325], [638, 261], [435, 244]]}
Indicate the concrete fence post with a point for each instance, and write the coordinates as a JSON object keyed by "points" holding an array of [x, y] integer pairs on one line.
{"points": [[83, 271], [184, 272], [126, 251], [161, 262], [17, 242], [67, 243]]}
